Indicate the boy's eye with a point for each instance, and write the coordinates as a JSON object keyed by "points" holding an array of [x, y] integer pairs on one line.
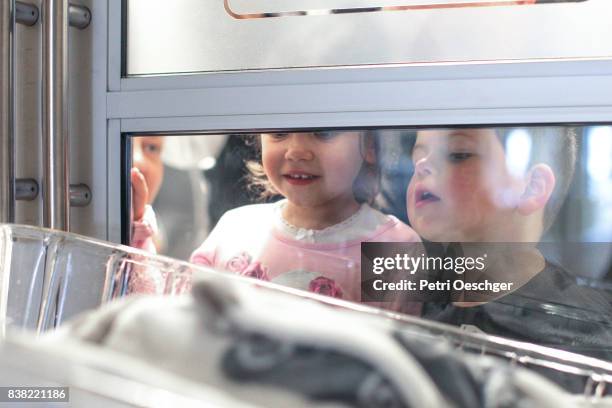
{"points": [[325, 135], [459, 156], [279, 136]]}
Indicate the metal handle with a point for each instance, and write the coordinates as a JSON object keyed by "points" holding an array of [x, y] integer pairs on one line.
{"points": [[7, 83], [55, 188], [58, 195], [28, 14]]}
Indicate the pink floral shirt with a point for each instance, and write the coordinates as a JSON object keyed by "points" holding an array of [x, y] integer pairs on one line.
{"points": [[143, 280], [247, 241]]}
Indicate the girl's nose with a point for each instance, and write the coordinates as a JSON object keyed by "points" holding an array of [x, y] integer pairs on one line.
{"points": [[298, 148], [423, 167]]}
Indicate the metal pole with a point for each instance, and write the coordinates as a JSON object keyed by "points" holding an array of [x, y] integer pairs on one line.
{"points": [[7, 150], [55, 189]]}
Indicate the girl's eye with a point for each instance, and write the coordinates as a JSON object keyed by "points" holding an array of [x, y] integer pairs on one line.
{"points": [[459, 156], [279, 136], [325, 135]]}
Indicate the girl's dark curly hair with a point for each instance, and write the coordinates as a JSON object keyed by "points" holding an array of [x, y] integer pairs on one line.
{"points": [[365, 187]]}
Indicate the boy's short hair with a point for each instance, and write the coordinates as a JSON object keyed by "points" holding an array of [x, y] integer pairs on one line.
{"points": [[365, 188], [555, 146]]}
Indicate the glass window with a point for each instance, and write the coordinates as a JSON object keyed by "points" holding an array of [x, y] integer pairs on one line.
{"points": [[204, 36], [506, 229]]}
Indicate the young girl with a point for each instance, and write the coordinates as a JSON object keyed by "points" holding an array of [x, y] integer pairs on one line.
{"points": [[311, 239]]}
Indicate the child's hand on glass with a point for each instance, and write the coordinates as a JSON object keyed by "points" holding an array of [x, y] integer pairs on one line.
{"points": [[140, 193]]}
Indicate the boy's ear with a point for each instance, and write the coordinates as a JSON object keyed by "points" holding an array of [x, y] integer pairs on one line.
{"points": [[540, 183]]}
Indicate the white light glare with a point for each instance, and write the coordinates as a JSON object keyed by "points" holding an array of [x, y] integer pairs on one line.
{"points": [[518, 151], [599, 163]]}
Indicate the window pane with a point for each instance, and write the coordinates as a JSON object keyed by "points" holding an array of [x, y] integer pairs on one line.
{"points": [[528, 207], [212, 35]]}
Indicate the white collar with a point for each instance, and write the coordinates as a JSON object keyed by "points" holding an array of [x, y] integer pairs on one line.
{"points": [[364, 221]]}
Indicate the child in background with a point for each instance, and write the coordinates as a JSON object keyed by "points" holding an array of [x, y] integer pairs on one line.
{"points": [[311, 239], [146, 177]]}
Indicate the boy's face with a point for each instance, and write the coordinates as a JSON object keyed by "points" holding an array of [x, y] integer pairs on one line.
{"points": [[461, 189]]}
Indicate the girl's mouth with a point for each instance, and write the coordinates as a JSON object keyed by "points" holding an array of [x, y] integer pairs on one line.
{"points": [[424, 197], [300, 179]]}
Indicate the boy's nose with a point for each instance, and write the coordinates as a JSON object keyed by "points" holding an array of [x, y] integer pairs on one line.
{"points": [[298, 149], [423, 167]]}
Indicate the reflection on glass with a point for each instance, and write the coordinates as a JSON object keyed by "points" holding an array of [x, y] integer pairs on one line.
{"points": [[246, 9], [599, 166], [518, 151], [599, 171], [294, 208]]}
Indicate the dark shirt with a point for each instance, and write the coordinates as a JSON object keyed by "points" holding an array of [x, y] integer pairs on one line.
{"points": [[551, 309]]}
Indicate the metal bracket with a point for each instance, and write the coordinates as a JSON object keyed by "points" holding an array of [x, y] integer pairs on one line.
{"points": [[78, 16], [28, 14], [26, 189], [80, 195]]}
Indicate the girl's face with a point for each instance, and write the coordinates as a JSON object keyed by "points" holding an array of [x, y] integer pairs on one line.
{"points": [[461, 189], [314, 169], [146, 156]]}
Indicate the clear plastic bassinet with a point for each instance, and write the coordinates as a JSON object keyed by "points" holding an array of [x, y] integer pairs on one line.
{"points": [[48, 276]]}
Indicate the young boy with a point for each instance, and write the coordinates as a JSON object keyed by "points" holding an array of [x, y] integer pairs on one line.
{"points": [[506, 186], [467, 187]]}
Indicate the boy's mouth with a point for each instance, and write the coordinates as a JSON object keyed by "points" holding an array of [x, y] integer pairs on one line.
{"points": [[300, 178], [423, 197]]}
